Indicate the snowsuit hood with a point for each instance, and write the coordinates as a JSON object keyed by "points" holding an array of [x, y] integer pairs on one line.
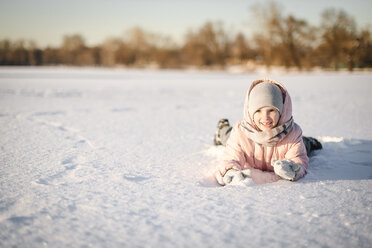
{"points": [[287, 103]]}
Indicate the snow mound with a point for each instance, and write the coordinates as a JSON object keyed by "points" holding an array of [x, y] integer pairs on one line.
{"points": [[342, 159], [214, 151], [330, 139]]}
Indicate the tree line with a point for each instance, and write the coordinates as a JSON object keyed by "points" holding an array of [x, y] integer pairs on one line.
{"points": [[280, 40]]}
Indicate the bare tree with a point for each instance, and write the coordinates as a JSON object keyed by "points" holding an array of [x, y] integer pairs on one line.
{"points": [[51, 56], [281, 40], [240, 51], [207, 46], [296, 38], [74, 51], [339, 41], [267, 19], [139, 42], [363, 54], [109, 50], [5, 52]]}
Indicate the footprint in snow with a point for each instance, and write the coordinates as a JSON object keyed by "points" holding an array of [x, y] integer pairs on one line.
{"points": [[69, 165], [67, 160], [23, 220], [51, 113], [133, 178], [42, 182], [72, 162]]}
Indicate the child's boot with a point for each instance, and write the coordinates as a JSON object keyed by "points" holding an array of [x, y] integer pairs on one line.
{"points": [[311, 144], [222, 132]]}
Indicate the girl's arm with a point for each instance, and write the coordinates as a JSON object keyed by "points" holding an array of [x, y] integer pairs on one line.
{"points": [[297, 152], [233, 157]]}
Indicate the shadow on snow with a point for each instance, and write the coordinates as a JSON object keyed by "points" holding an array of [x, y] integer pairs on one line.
{"points": [[341, 159]]}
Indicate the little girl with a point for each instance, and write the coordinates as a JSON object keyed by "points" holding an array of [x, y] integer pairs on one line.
{"points": [[267, 145]]}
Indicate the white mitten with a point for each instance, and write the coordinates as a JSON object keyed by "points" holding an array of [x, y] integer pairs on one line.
{"points": [[233, 176], [286, 169], [247, 172], [219, 179]]}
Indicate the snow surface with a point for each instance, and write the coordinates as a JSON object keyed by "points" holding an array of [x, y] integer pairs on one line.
{"points": [[121, 158]]}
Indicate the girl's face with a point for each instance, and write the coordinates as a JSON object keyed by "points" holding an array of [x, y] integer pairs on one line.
{"points": [[266, 118]]}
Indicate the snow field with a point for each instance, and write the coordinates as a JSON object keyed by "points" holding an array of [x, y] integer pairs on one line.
{"points": [[121, 158]]}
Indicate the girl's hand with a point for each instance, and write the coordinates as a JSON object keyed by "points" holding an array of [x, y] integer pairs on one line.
{"points": [[286, 169], [232, 176]]}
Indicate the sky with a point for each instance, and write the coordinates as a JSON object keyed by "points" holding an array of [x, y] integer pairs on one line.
{"points": [[47, 21]]}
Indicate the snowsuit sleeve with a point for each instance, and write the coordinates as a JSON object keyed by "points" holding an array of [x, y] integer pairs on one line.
{"points": [[297, 151], [233, 157]]}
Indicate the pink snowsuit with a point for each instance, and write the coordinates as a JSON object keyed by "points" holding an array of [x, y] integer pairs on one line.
{"points": [[243, 153]]}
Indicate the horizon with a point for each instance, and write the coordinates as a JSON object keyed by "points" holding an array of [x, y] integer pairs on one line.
{"points": [[46, 22]]}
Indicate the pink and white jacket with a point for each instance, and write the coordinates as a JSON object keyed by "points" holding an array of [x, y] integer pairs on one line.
{"points": [[243, 153]]}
